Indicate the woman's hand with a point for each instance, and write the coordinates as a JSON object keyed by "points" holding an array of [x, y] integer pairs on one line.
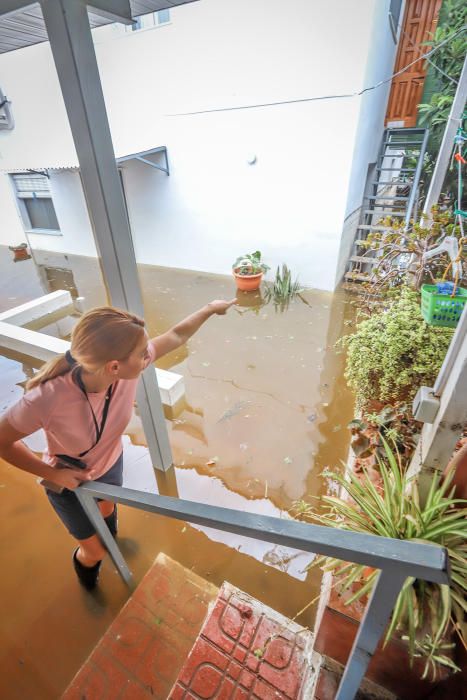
{"points": [[220, 306], [71, 478], [179, 334]]}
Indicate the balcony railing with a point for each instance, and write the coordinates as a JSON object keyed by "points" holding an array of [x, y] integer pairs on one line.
{"points": [[397, 559]]}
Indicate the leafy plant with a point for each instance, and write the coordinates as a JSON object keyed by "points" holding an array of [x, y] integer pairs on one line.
{"points": [[394, 423], [283, 289], [394, 351], [395, 246], [423, 611], [449, 58], [249, 264]]}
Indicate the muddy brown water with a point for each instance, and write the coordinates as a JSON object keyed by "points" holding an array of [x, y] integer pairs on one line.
{"points": [[265, 411]]}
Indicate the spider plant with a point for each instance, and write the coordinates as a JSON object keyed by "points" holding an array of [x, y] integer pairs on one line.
{"points": [[283, 288], [424, 611]]}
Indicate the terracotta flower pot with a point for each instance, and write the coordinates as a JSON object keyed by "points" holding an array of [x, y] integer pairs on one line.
{"points": [[248, 283], [20, 252]]}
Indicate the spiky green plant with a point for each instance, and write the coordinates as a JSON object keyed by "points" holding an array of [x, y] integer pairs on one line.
{"points": [[424, 611], [283, 289]]}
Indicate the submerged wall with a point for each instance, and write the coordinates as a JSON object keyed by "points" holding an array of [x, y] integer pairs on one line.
{"points": [[290, 203]]}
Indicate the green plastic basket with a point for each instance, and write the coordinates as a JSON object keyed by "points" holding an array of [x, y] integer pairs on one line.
{"points": [[442, 309]]}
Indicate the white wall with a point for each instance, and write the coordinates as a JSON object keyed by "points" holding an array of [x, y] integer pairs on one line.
{"points": [[11, 229], [214, 206], [380, 65], [72, 215]]}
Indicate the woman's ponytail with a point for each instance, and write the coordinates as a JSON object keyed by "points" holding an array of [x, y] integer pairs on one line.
{"points": [[53, 368], [100, 335]]}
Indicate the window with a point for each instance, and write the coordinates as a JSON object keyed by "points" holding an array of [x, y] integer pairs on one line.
{"points": [[394, 15], [163, 16], [35, 203], [153, 19]]}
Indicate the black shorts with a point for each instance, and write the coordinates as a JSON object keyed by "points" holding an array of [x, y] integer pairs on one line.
{"points": [[69, 509]]}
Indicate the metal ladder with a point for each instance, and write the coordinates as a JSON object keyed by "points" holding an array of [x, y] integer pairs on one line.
{"points": [[393, 193]]}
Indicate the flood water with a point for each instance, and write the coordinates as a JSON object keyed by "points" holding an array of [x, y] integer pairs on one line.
{"points": [[265, 410]]}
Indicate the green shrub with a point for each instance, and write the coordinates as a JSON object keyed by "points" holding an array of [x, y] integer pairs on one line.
{"points": [[394, 351]]}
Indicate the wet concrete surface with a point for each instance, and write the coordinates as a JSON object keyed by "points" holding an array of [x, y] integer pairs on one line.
{"points": [[265, 411]]}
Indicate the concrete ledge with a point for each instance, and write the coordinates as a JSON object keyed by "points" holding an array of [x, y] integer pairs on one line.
{"points": [[45, 347], [37, 308]]}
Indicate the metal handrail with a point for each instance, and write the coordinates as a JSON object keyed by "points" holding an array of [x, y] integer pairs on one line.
{"points": [[397, 559], [416, 180]]}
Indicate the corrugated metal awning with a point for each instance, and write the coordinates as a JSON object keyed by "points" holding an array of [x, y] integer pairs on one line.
{"points": [[26, 27], [142, 156]]}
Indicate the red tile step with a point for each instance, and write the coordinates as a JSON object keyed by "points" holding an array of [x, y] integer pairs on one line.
{"points": [[246, 650], [142, 651], [229, 647]]}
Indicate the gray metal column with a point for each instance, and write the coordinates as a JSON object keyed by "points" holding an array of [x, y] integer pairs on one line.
{"points": [[75, 60], [94, 514], [377, 613], [438, 439]]}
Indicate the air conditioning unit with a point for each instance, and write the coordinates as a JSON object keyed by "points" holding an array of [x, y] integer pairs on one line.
{"points": [[6, 115]]}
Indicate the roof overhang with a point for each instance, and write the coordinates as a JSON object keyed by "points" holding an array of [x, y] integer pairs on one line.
{"points": [[21, 23], [145, 157]]}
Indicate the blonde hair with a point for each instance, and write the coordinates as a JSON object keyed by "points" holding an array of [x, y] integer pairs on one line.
{"points": [[101, 335]]}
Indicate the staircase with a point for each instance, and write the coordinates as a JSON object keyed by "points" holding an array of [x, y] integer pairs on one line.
{"points": [[393, 192], [180, 638]]}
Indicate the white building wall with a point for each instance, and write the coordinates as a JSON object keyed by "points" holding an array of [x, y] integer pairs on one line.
{"points": [[214, 206], [381, 59], [11, 229], [72, 215]]}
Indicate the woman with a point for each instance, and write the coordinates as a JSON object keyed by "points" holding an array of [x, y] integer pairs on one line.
{"points": [[83, 400]]}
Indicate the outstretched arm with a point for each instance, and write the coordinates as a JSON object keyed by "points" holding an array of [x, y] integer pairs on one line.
{"points": [[179, 334]]}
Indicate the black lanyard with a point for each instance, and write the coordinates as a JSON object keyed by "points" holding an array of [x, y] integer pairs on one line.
{"points": [[108, 397]]}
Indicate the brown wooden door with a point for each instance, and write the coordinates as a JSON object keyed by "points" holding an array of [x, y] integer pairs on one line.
{"points": [[419, 23]]}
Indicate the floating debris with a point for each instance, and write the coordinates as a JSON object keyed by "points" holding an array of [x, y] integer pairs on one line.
{"points": [[235, 410]]}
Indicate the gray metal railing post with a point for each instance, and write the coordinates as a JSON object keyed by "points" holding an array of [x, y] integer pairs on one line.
{"points": [[372, 626], [416, 180], [95, 516], [397, 559]]}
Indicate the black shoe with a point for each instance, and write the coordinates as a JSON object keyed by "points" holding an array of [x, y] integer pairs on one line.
{"points": [[112, 522], [87, 575]]}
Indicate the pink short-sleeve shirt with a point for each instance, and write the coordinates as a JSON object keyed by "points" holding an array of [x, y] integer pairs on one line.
{"points": [[61, 409]]}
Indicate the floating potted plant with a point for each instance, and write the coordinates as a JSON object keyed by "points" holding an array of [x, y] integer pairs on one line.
{"points": [[20, 252], [248, 271]]}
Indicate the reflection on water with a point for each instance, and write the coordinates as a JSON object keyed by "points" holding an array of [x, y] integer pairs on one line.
{"points": [[265, 411]]}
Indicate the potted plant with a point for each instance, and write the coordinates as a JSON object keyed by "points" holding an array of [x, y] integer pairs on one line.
{"points": [[426, 615], [248, 271], [20, 252]]}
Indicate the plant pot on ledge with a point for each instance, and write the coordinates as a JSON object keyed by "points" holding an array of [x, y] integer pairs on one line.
{"points": [[20, 252], [247, 283], [248, 271]]}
